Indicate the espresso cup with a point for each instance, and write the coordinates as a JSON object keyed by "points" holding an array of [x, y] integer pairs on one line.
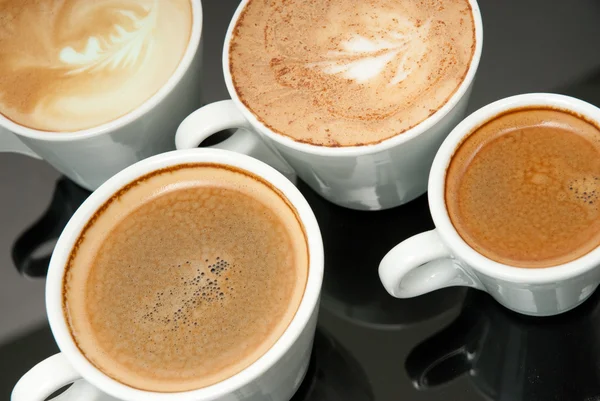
{"points": [[276, 374], [371, 176], [442, 258], [91, 156]]}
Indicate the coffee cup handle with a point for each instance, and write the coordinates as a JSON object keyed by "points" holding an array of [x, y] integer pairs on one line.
{"points": [[9, 142], [44, 379], [223, 115], [422, 264]]}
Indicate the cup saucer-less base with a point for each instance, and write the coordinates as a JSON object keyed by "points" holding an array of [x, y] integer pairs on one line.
{"points": [[586, 293]]}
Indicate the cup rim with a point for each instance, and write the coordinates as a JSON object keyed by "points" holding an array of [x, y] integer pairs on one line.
{"points": [[149, 104], [436, 192], [306, 308], [357, 150]]}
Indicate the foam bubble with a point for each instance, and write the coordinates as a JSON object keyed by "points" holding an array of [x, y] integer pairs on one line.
{"points": [[585, 189]]}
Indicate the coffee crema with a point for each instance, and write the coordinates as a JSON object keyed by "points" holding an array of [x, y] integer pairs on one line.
{"points": [[348, 73], [68, 65], [185, 277], [524, 188]]}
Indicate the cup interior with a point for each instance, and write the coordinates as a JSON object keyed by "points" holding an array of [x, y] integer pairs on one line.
{"points": [[437, 187], [67, 240]]}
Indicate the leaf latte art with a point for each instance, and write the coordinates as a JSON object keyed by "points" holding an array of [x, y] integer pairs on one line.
{"points": [[363, 59], [68, 65], [349, 72]]}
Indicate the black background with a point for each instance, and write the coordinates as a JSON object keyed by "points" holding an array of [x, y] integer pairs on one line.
{"points": [[370, 346]]}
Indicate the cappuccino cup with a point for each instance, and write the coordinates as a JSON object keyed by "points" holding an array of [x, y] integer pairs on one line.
{"points": [[93, 87], [513, 193], [354, 100], [191, 275]]}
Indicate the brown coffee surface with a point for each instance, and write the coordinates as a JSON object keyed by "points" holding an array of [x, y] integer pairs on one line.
{"points": [[185, 278], [67, 65], [524, 189], [351, 72]]}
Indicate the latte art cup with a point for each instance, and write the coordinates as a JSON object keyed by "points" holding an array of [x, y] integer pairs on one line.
{"points": [[441, 258], [275, 376], [364, 177], [91, 156]]}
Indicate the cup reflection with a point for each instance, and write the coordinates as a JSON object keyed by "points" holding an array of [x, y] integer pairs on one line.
{"points": [[512, 357]]}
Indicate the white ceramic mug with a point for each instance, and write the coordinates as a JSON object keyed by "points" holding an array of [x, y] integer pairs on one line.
{"points": [[275, 376], [370, 177], [91, 156], [441, 258]]}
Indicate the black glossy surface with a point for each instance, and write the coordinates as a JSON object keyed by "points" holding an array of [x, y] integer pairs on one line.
{"points": [[453, 344], [511, 357]]}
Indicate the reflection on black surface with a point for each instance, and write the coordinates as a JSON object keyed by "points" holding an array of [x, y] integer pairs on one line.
{"points": [[333, 374], [355, 242], [512, 357]]}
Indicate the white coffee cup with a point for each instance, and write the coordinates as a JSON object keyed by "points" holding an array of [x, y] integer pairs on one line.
{"points": [[441, 258], [370, 177], [275, 376], [91, 156]]}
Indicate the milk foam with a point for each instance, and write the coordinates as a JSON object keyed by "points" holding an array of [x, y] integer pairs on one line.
{"points": [[344, 73], [72, 65]]}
